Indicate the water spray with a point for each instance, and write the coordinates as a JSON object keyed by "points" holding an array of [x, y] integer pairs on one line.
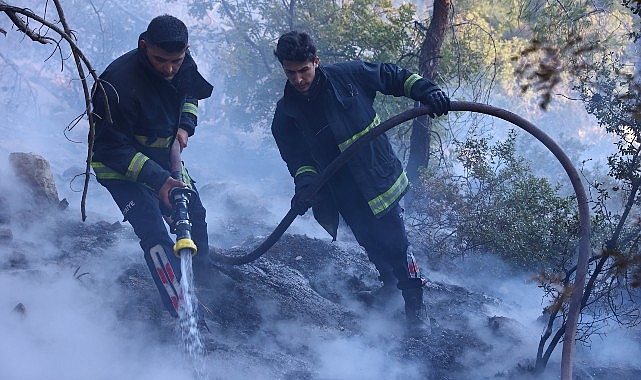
{"points": [[184, 249]]}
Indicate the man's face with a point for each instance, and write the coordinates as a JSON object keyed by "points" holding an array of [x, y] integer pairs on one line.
{"points": [[166, 64], [301, 74]]}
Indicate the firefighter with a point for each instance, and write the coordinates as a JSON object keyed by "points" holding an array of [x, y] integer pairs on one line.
{"points": [[152, 94], [325, 108]]}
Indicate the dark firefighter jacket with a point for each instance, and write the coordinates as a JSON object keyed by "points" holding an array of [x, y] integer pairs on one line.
{"points": [[348, 107], [147, 111]]}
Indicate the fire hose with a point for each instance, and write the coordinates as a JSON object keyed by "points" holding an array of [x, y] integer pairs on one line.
{"points": [[582, 200]]}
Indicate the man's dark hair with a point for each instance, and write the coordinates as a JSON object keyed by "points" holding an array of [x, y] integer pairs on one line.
{"points": [[295, 46], [168, 33]]}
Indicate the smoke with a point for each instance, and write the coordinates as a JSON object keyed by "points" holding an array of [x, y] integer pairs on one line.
{"points": [[68, 332], [343, 359], [518, 299]]}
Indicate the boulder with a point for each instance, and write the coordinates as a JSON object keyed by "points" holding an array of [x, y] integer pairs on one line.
{"points": [[34, 171]]}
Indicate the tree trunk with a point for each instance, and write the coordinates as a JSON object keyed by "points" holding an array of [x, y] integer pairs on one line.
{"points": [[428, 67]]}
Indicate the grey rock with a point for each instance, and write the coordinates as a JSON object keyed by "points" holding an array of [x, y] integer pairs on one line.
{"points": [[35, 172]]}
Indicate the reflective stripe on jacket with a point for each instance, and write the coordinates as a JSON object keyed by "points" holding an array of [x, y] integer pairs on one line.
{"points": [[348, 107]]}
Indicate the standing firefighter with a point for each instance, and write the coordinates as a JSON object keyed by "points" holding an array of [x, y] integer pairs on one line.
{"points": [[153, 94], [323, 110]]}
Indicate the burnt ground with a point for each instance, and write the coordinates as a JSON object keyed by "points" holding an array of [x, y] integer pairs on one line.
{"points": [[294, 313]]}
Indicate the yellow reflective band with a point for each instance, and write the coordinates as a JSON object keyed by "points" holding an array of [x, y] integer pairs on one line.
{"points": [[305, 169], [342, 146], [159, 142], [190, 108], [184, 174], [104, 172], [185, 243], [135, 166], [409, 83], [385, 200]]}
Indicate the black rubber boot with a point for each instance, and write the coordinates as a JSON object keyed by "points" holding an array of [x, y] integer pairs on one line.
{"points": [[382, 297], [378, 298], [417, 320]]}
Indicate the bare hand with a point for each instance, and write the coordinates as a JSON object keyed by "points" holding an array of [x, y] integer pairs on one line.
{"points": [[169, 184], [182, 136]]}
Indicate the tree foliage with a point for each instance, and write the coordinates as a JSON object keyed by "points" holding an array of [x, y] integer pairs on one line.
{"points": [[569, 37], [612, 94], [362, 29], [601, 74], [493, 203]]}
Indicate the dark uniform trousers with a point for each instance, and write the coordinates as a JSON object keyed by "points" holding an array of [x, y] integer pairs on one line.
{"points": [[142, 209], [384, 238]]}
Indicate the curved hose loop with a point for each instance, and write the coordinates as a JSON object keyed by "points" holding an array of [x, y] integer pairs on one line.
{"points": [[339, 161], [584, 222], [582, 200]]}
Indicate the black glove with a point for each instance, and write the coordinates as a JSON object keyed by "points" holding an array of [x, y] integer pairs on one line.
{"points": [[438, 101], [303, 199]]}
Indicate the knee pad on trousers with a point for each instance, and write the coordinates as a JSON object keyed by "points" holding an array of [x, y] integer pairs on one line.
{"points": [[165, 270]]}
